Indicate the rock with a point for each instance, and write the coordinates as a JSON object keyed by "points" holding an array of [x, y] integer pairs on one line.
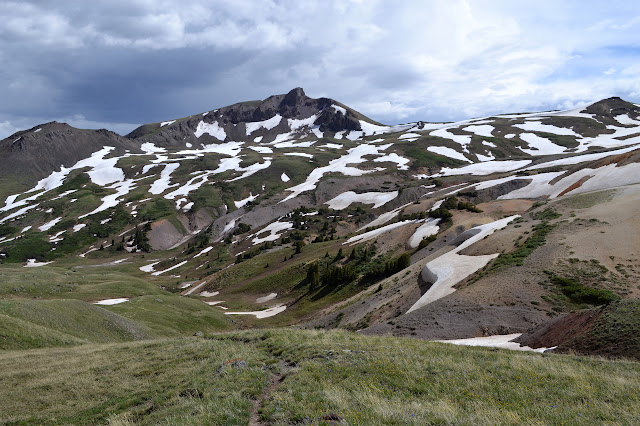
{"points": [[198, 334]]}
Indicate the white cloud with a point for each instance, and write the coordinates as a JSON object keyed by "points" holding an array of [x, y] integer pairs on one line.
{"points": [[400, 61]]}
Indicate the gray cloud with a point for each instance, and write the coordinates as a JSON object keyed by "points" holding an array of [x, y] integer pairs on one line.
{"points": [[117, 63]]}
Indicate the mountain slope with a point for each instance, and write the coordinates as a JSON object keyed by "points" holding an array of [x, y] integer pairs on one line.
{"points": [[295, 210]]}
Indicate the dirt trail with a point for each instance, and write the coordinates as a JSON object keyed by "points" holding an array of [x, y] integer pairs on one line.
{"points": [[275, 381]]}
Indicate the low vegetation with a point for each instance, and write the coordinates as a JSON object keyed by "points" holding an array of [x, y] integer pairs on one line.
{"points": [[364, 380]]}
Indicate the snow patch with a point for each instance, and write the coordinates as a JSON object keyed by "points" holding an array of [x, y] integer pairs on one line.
{"points": [[169, 269], [212, 129], [266, 298], [448, 152], [111, 301], [429, 227], [266, 124], [377, 232], [503, 341], [244, 202], [345, 199], [49, 224], [447, 270], [284, 177], [32, 263], [262, 314]]}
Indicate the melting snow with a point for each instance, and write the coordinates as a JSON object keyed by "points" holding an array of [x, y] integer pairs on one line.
{"points": [[340, 165], [409, 136], [536, 126], [266, 298], [167, 123], [429, 227], [463, 140], [204, 251], [394, 158], [299, 154], [447, 270], [542, 146], [345, 199], [50, 224], [576, 159], [339, 109], [376, 232], [162, 184], [448, 152], [212, 129], [169, 269], [122, 188], [480, 130], [331, 145], [149, 267], [111, 301], [272, 229], [284, 177], [625, 119], [503, 341], [297, 124], [486, 168], [242, 203], [262, 149], [262, 314], [32, 263], [266, 124]]}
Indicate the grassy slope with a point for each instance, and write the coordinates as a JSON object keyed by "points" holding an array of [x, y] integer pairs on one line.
{"points": [[367, 380]]}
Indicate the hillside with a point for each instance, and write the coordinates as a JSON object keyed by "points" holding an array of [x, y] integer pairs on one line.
{"points": [[300, 211], [311, 377]]}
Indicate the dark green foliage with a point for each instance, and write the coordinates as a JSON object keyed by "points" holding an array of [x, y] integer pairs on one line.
{"points": [[335, 276], [450, 203], [468, 206], [440, 213], [546, 214], [298, 245], [579, 293], [241, 228], [470, 194], [7, 230], [313, 276], [424, 158], [427, 240], [140, 239], [387, 269], [28, 247], [157, 208], [339, 255]]}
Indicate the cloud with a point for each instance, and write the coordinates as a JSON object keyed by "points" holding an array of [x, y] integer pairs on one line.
{"points": [[139, 61]]}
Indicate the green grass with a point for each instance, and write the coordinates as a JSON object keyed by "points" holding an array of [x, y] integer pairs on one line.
{"points": [[85, 283], [81, 320], [424, 158], [615, 333], [172, 315], [367, 380]]}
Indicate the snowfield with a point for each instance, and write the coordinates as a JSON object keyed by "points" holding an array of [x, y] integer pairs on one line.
{"points": [[503, 341], [450, 268], [345, 199]]}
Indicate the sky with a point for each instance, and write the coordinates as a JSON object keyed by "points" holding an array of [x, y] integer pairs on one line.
{"points": [[117, 64]]}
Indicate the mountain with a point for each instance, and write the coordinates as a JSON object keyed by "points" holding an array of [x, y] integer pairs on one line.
{"points": [[302, 211], [131, 267]]}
